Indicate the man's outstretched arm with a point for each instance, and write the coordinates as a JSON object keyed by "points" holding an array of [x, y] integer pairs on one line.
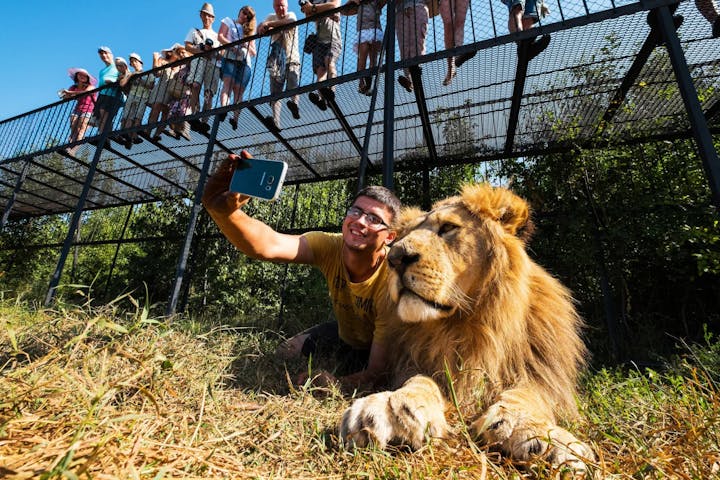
{"points": [[253, 237]]}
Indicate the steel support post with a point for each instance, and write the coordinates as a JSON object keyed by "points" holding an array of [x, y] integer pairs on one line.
{"points": [[75, 220], [389, 113], [700, 129], [11, 201], [195, 211]]}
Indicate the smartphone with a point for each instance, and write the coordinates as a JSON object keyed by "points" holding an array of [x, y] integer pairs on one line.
{"points": [[259, 178]]}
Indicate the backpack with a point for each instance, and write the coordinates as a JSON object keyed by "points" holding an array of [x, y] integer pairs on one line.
{"points": [[276, 61]]}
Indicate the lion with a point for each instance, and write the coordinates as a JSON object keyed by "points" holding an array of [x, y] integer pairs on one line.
{"points": [[476, 309]]}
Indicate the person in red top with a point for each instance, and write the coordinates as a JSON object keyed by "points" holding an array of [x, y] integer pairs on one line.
{"points": [[80, 117]]}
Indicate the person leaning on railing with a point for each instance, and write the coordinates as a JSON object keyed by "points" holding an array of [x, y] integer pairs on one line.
{"points": [[109, 99], [237, 65], [161, 93], [328, 46], [287, 40], [83, 82], [370, 37], [137, 89], [411, 24], [204, 72]]}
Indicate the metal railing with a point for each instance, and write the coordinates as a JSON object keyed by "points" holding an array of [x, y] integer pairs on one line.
{"points": [[49, 128]]}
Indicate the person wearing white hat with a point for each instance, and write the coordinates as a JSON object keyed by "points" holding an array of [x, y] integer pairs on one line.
{"points": [[204, 69], [83, 82], [137, 87]]}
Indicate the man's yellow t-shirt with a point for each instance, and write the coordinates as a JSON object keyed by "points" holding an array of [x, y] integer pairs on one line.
{"points": [[362, 309]]}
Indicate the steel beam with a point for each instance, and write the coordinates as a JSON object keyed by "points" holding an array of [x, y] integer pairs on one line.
{"points": [[196, 208], [284, 142], [421, 101], [700, 129], [11, 201]]}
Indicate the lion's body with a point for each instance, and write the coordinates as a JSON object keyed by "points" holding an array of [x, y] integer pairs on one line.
{"points": [[474, 305]]}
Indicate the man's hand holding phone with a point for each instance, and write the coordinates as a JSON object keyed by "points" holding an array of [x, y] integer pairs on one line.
{"points": [[217, 198]]}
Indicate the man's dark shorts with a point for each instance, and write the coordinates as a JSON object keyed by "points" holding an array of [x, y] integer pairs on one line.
{"points": [[324, 341]]}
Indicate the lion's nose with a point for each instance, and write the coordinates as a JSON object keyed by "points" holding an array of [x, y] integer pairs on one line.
{"points": [[400, 257]]}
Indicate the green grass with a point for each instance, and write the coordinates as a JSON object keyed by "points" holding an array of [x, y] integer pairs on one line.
{"points": [[104, 393]]}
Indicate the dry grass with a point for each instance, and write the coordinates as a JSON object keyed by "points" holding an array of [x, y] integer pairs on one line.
{"points": [[91, 393]]}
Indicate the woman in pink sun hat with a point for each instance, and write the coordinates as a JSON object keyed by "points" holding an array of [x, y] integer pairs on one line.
{"points": [[83, 82]]}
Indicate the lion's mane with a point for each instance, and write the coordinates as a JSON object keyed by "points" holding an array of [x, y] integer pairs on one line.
{"points": [[512, 324]]}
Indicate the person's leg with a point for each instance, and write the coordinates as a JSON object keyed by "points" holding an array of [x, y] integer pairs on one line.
{"points": [[515, 22], [276, 86], [309, 341], [292, 80], [73, 127], [83, 121], [447, 13], [363, 53], [210, 83]]}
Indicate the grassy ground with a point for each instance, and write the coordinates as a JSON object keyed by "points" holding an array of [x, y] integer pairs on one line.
{"points": [[88, 393]]}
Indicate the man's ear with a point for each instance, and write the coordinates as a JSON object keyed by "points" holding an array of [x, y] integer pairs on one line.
{"points": [[392, 234]]}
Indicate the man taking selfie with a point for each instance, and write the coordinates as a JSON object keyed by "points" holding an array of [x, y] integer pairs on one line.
{"points": [[353, 263]]}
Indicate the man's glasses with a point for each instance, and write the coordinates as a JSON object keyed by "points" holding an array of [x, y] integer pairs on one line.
{"points": [[372, 220]]}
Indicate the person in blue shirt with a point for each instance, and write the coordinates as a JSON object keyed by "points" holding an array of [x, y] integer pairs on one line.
{"points": [[109, 99]]}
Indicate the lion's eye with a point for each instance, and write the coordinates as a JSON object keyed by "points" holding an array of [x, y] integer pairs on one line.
{"points": [[447, 228]]}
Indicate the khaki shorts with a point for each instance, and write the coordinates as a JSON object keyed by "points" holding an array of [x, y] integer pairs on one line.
{"points": [[203, 71]]}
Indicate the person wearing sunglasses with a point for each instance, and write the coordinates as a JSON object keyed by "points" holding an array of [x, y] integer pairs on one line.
{"points": [[353, 263]]}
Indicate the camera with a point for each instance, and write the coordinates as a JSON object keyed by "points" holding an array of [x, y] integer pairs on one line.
{"points": [[208, 45]]}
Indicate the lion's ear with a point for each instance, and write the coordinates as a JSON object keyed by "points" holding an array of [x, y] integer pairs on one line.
{"points": [[500, 204]]}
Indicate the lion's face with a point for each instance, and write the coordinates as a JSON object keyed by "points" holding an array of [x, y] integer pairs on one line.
{"points": [[444, 259]]}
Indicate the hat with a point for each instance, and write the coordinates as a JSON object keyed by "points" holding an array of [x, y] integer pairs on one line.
{"points": [[74, 71], [136, 57], [121, 60], [208, 8], [175, 45], [103, 48]]}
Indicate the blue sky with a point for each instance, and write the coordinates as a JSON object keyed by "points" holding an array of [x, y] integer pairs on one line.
{"points": [[41, 39]]}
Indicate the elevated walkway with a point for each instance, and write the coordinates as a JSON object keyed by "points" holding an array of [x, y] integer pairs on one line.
{"points": [[607, 77]]}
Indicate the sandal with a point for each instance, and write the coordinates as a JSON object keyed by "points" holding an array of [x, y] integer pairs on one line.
{"points": [[406, 83]]}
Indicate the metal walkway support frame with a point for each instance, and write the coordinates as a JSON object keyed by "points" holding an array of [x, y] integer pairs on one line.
{"points": [[700, 129], [11, 201], [499, 85], [194, 212], [75, 220]]}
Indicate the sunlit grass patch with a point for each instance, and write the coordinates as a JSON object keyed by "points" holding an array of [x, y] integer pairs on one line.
{"points": [[108, 392]]}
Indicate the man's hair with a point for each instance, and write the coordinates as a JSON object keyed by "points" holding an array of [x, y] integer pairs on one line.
{"points": [[382, 195]]}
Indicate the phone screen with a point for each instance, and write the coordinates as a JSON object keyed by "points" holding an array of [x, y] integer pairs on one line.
{"points": [[259, 178]]}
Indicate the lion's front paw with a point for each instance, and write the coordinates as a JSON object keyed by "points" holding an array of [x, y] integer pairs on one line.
{"points": [[523, 438], [403, 417]]}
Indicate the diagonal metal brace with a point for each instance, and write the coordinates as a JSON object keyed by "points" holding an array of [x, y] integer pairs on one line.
{"points": [[421, 101]]}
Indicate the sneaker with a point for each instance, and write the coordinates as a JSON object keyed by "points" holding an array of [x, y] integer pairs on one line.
{"points": [[716, 28], [233, 123], [537, 46], [460, 59], [271, 125], [327, 93], [317, 100], [222, 116], [406, 83], [137, 140], [293, 107], [128, 142], [184, 134], [364, 85]]}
